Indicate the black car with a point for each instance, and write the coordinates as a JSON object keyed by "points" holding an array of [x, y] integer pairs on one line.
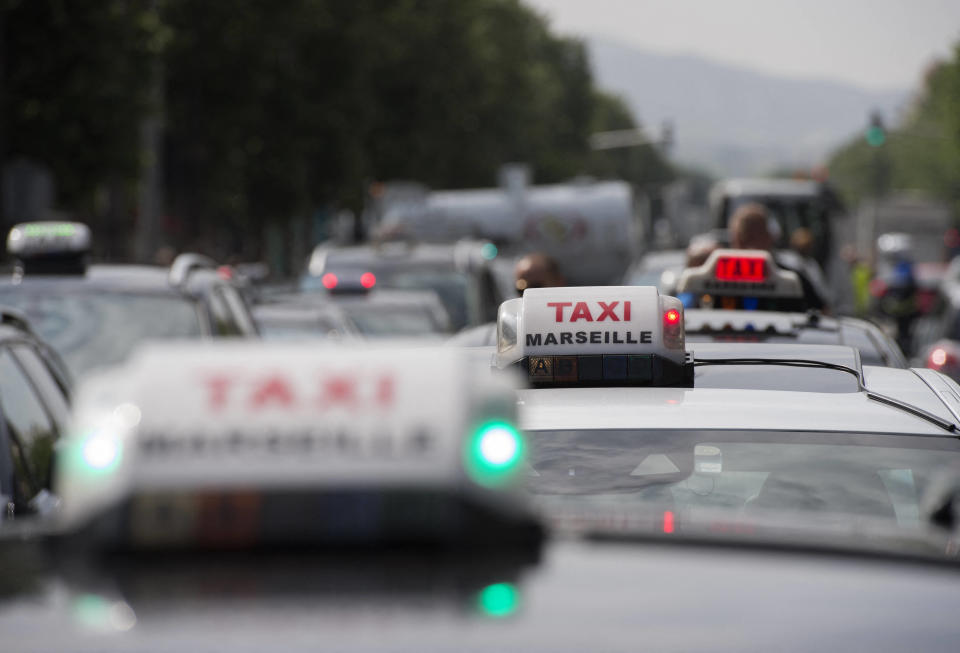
{"points": [[34, 396]]}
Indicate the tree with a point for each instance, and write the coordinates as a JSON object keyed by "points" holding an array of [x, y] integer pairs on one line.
{"points": [[922, 153], [75, 86]]}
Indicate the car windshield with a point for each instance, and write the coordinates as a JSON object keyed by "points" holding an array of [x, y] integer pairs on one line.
{"points": [[97, 329], [392, 321], [451, 286], [791, 213], [627, 476]]}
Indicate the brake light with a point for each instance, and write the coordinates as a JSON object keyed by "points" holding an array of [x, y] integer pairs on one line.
{"points": [[368, 280], [741, 268], [329, 280], [668, 521], [940, 357], [671, 317]]}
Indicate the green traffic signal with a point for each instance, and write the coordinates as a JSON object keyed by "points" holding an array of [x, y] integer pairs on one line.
{"points": [[876, 136]]}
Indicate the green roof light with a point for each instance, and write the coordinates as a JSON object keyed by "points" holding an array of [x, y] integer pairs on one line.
{"points": [[498, 600], [100, 452], [489, 251], [494, 452]]}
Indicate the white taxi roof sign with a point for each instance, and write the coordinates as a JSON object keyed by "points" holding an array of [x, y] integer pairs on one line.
{"points": [[740, 273], [48, 238], [590, 320], [180, 417]]}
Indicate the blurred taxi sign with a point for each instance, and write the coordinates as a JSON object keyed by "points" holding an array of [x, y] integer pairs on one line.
{"points": [[751, 269], [746, 279], [48, 238], [245, 443], [600, 335]]}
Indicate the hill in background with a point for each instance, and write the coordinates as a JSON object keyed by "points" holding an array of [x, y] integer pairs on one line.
{"points": [[732, 120]]}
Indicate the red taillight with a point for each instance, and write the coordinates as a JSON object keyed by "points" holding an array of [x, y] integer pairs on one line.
{"points": [[329, 280], [741, 268], [368, 280], [671, 317], [225, 272], [667, 521], [940, 358]]}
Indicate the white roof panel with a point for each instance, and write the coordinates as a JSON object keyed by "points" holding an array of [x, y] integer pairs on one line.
{"points": [[705, 408]]}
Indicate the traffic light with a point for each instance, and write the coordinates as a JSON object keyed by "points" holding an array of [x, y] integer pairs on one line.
{"points": [[876, 134]]}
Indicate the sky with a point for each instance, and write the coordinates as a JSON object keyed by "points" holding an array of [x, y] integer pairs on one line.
{"points": [[876, 44]]}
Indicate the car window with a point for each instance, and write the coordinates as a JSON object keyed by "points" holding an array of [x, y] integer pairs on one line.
{"points": [[239, 309], [376, 322], [92, 329], [46, 385], [694, 473], [224, 319], [31, 429]]}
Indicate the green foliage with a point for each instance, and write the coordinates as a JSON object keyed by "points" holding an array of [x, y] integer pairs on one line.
{"points": [[272, 108], [923, 153], [75, 86]]}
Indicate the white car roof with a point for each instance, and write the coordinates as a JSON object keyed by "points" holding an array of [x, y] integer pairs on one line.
{"points": [[712, 409]]}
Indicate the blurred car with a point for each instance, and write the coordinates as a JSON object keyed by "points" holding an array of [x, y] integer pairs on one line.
{"points": [[375, 314], [460, 274], [94, 315], [683, 517], [35, 390], [659, 268], [793, 204], [874, 345], [770, 476]]}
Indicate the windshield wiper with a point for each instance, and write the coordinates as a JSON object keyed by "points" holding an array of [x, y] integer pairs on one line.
{"points": [[913, 410], [789, 362]]}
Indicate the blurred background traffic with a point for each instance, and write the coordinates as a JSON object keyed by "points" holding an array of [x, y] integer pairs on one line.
{"points": [[370, 169]]}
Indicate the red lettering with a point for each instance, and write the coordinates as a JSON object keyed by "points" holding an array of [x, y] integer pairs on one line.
{"points": [[608, 311], [581, 312], [626, 311], [218, 386], [338, 391], [385, 391], [559, 306], [273, 390]]}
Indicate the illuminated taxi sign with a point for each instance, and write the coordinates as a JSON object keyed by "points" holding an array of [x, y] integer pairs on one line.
{"points": [[740, 273], [583, 335], [249, 417], [741, 268], [48, 238]]}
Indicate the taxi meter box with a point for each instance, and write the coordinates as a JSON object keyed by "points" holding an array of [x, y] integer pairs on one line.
{"points": [[243, 445], [745, 279], [602, 335]]}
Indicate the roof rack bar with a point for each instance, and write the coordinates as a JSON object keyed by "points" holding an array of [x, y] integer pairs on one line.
{"points": [[185, 264], [946, 395], [15, 318]]}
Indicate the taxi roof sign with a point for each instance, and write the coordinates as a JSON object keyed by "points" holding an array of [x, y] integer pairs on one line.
{"points": [[48, 238], [740, 273], [249, 419], [592, 335]]}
